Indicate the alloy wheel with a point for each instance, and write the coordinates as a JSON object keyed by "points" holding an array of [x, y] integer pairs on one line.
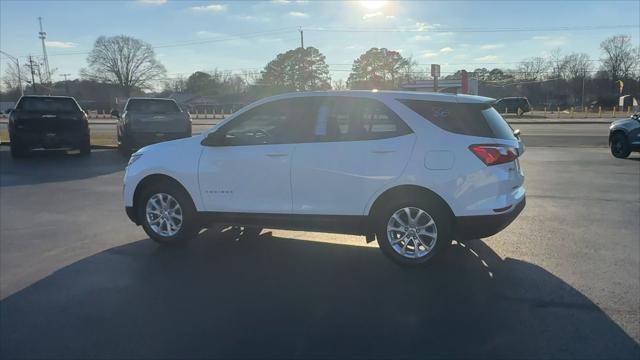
{"points": [[164, 214], [412, 232]]}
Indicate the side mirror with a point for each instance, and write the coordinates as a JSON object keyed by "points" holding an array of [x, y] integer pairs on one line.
{"points": [[115, 113], [636, 116], [516, 133], [215, 138], [8, 111]]}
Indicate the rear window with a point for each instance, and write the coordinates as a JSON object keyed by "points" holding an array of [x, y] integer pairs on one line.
{"points": [[48, 105], [152, 106], [466, 119]]}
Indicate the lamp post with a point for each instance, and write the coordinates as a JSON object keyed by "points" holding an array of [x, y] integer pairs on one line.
{"points": [[15, 59]]}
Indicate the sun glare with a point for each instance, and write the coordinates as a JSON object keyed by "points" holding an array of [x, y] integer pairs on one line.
{"points": [[373, 4]]}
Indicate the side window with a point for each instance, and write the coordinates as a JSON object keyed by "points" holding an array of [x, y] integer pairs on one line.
{"points": [[278, 122], [355, 119]]}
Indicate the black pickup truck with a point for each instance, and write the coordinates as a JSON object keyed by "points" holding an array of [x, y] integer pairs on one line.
{"points": [[49, 122]]}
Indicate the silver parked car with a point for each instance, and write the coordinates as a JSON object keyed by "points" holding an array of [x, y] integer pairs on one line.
{"points": [[624, 136]]}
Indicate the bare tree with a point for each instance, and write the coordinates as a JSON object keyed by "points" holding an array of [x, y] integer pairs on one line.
{"points": [[557, 64], [577, 66], [339, 85], [123, 60], [532, 68], [10, 78], [620, 60]]}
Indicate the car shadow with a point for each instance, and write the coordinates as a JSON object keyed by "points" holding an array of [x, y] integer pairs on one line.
{"points": [[268, 297], [42, 166]]}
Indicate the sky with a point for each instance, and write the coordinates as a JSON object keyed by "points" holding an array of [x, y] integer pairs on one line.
{"points": [[245, 35]]}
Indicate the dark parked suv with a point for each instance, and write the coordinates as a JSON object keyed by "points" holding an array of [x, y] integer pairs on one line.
{"points": [[513, 105], [146, 121], [49, 122]]}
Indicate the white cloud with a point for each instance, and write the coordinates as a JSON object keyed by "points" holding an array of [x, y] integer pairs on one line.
{"points": [[208, 34], [280, 2], [372, 15], [487, 58], [446, 50], [152, 2], [60, 44], [490, 46], [247, 17], [298, 14], [422, 26], [429, 54], [550, 41], [210, 8], [421, 38]]}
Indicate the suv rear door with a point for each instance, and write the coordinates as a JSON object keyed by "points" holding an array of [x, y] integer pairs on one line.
{"points": [[359, 145]]}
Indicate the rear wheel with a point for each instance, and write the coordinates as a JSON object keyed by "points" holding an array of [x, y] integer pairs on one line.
{"points": [[412, 233], [167, 213], [620, 147], [123, 148], [18, 150], [85, 148]]}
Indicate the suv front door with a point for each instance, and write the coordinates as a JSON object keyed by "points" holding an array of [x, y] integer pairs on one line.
{"points": [[250, 171]]}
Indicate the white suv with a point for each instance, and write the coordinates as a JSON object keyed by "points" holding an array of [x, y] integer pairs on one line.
{"points": [[413, 170]]}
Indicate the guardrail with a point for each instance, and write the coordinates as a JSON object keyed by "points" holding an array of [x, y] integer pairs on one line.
{"points": [[571, 112]]}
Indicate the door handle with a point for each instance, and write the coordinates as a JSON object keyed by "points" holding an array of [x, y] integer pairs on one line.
{"points": [[383, 151], [277, 154]]}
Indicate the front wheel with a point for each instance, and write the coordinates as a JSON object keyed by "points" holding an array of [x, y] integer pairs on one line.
{"points": [[412, 233], [620, 147], [167, 213]]}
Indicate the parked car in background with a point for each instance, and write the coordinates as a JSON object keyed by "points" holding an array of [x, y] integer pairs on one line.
{"points": [[49, 122], [414, 170], [624, 136], [513, 105], [146, 121]]}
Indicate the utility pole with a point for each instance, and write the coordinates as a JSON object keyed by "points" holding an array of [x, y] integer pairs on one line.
{"points": [[43, 35], [66, 83], [301, 37], [583, 76], [33, 77], [15, 59]]}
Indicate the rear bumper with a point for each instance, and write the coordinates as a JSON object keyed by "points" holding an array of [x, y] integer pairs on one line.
{"points": [[142, 139], [50, 140], [476, 227]]}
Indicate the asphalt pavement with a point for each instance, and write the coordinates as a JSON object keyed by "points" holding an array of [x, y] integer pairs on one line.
{"points": [[78, 280]]}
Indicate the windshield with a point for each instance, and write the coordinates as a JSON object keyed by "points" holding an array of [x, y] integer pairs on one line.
{"points": [[152, 106], [45, 104]]}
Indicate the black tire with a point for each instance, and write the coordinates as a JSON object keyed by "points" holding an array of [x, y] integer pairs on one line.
{"points": [[123, 147], [190, 225], [85, 148], [17, 150], [620, 146], [443, 228]]}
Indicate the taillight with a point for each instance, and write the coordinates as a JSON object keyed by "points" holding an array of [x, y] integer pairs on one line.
{"points": [[494, 154]]}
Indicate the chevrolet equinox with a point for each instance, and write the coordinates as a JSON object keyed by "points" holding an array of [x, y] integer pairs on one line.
{"points": [[412, 170]]}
